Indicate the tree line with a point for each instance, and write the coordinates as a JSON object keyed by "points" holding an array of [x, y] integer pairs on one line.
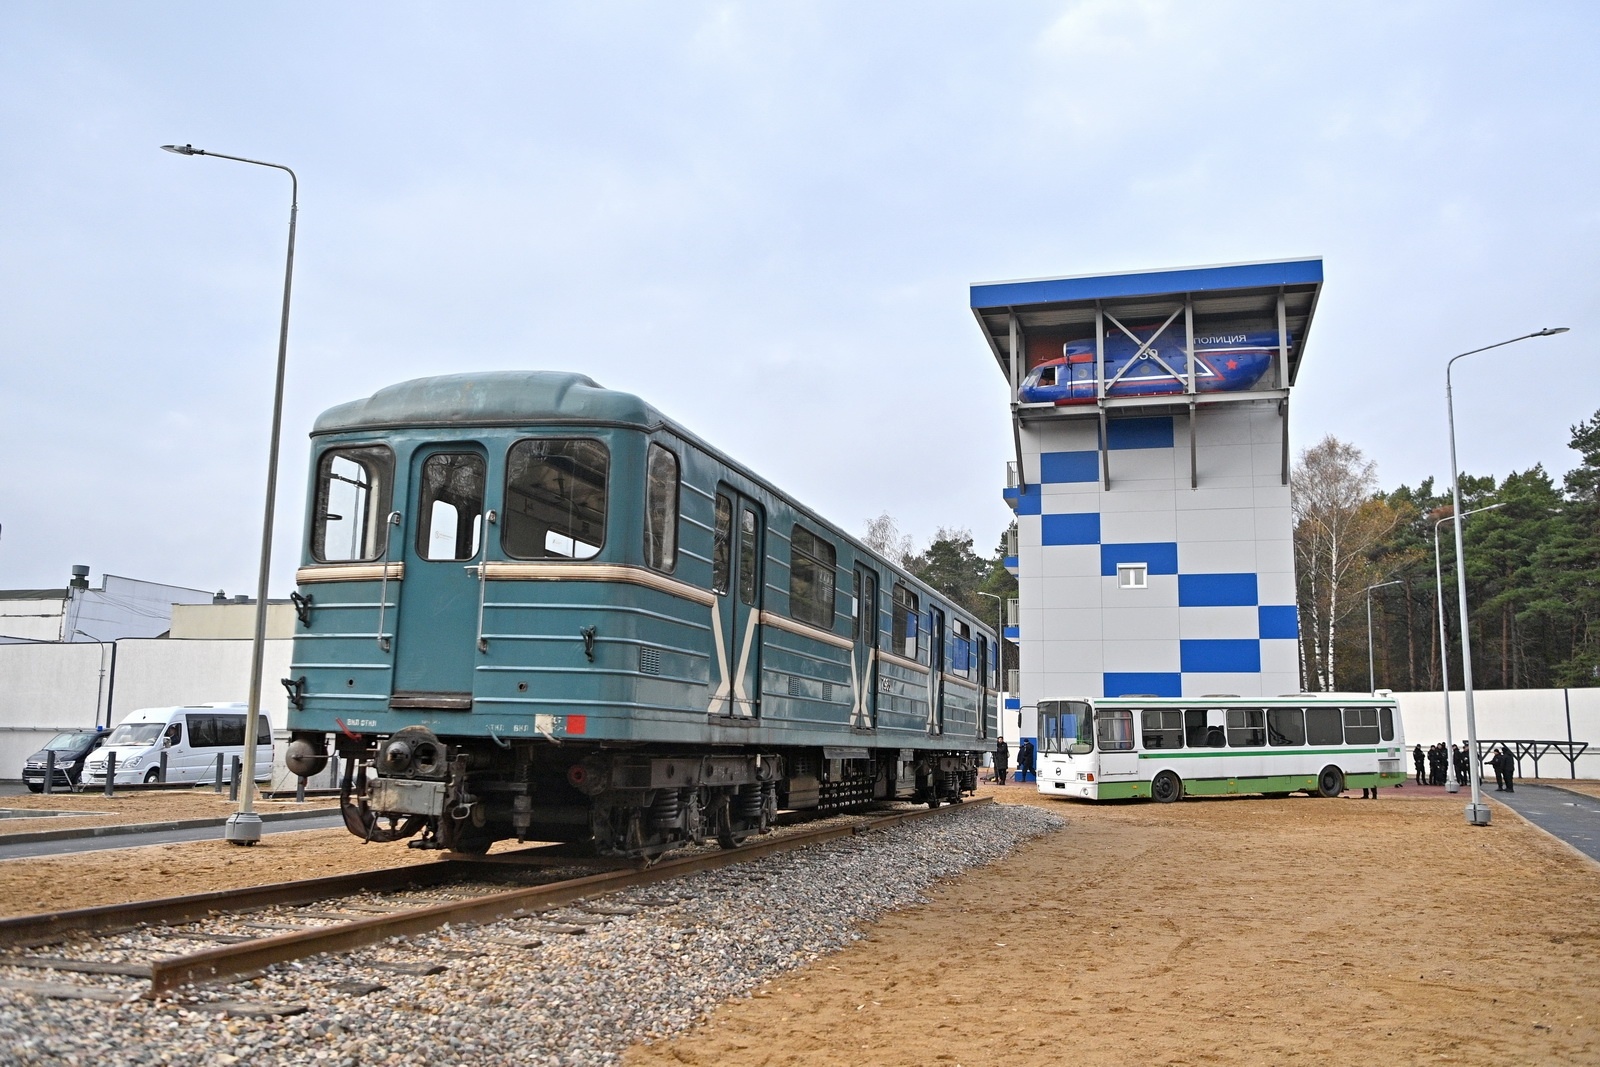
{"points": [[1533, 573]]}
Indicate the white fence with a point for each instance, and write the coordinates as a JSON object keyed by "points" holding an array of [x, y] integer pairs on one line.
{"points": [[47, 688], [1512, 715]]}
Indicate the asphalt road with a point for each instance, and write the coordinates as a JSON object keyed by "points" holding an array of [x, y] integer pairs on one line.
{"points": [[1573, 817]]}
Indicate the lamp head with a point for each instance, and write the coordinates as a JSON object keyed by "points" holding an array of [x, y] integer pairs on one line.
{"points": [[183, 149], [1549, 331]]}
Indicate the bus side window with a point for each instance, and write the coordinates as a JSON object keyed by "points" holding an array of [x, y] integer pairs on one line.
{"points": [[1115, 730], [1361, 726], [1194, 727], [1286, 726], [1386, 723], [1163, 729], [1246, 728], [1322, 727]]}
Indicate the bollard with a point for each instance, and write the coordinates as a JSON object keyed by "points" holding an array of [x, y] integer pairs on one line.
{"points": [[218, 787], [49, 770], [161, 775], [300, 790], [233, 780], [111, 773]]}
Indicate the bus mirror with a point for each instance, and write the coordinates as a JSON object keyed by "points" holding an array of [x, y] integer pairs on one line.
{"points": [[1078, 748]]}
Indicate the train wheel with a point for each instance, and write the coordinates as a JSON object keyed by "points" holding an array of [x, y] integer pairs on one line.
{"points": [[1330, 783], [1166, 787]]}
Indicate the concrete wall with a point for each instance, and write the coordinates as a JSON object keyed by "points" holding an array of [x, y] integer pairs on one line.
{"points": [[1512, 715], [45, 689]]}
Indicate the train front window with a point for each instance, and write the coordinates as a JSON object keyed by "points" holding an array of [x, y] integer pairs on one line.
{"points": [[451, 506], [354, 488], [555, 499]]}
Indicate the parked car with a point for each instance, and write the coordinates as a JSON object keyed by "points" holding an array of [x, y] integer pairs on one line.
{"points": [[72, 748], [192, 738]]}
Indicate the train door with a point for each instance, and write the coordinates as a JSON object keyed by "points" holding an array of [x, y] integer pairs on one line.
{"points": [[981, 643], [935, 671], [435, 648], [864, 662], [738, 551]]}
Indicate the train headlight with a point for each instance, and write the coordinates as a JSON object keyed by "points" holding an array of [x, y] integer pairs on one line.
{"points": [[396, 757]]}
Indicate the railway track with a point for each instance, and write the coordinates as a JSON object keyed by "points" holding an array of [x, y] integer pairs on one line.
{"points": [[250, 931]]}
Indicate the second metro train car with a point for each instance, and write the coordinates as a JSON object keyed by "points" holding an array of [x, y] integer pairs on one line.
{"points": [[535, 608]]}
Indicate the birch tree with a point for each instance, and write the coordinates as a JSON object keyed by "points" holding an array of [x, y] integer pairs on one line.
{"points": [[1340, 522]]}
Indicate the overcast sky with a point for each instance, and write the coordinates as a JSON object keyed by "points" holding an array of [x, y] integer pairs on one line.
{"points": [[762, 218]]}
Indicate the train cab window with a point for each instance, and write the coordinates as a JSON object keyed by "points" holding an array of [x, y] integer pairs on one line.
{"points": [[722, 545], [906, 614], [811, 578], [1360, 726], [1286, 726], [354, 490], [1247, 728], [661, 510], [960, 649], [450, 504], [749, 557], [555, 499], [1163, 728]]}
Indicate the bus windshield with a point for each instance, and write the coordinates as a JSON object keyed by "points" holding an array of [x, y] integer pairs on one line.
{"points": [[1063, 723]]}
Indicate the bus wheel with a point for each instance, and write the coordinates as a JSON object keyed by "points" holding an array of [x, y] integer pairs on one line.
{"points": [[1330, 783], [1166, 787]]}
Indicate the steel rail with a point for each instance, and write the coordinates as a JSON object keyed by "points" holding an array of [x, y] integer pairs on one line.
{"points": [[225, 961], [24, 929]]}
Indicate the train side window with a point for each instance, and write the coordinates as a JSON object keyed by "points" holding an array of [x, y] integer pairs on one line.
{"points": [[451, 506], [354, 490], [749, 557], [1246, 728], [1286, 726], [555, 498], [661, 510], [960, 649], [906, 613], [812, 565], [1163, 728], [722, 545], [1322, 727]]}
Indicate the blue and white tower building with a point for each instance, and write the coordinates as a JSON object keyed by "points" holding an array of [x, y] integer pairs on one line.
{"points": [[1150, 414]]}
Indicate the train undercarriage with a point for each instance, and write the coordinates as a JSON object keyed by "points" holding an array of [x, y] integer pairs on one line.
{"points": [[464, 794]]}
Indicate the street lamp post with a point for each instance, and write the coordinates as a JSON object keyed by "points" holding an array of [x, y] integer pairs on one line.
{"points": [[1450, 783], [244, 826], [1372, 680], [1477, 810], [100, 690]]}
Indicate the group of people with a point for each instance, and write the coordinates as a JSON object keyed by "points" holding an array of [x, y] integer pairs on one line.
{"points": [[1002, 760], [1501, 760]]}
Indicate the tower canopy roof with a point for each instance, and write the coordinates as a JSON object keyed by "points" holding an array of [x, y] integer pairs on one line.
{"points": [[1231, 293]]}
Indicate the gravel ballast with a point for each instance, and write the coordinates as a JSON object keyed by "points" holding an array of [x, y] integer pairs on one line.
{"points": [[529, 991]]}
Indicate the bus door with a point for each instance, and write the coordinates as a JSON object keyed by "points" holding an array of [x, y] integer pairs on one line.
{"points": [[435, 632], [864, 663], [1113, 730], [738, 552], [935, 671]]}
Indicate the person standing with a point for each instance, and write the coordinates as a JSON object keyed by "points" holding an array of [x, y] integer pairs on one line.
{"points": [[1025, 768], [1458, 757], [1002, 760], [1417, 759]]}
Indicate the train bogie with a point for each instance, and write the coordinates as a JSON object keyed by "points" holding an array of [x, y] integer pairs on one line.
{"points": [[534, 608]]}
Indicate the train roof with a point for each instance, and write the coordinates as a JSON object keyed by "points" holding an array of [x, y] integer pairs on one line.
{"points": [[490, 398]]}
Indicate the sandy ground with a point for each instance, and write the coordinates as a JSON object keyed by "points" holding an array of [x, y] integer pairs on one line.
{"points": [[1213, 931]]}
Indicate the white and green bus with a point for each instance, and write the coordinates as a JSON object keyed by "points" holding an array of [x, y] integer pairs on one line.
{"points": [[1166, 748]]}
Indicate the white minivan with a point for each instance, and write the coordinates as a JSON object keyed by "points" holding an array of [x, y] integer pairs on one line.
{"points": [[192, 737]]}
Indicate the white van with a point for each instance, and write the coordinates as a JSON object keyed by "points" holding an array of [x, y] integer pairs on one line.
{"points": [[192, 737]]}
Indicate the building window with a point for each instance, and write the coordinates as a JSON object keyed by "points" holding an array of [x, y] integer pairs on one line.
{"points": [[1133, 575]]}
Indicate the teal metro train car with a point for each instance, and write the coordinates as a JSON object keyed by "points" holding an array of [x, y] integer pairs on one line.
{"points": [[535, 608]]}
